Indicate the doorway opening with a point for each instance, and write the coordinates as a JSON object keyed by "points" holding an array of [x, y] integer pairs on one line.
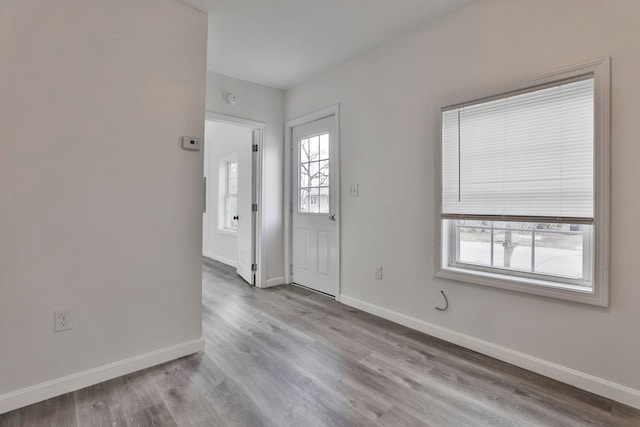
{"points": [[232, 214]]}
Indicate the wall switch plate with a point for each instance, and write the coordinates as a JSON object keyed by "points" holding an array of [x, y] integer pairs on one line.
{"points": [[353, 190], [378, 274], [62, 320], [191, 143]]}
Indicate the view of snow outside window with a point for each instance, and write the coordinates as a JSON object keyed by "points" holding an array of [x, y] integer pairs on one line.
{"points": [[542, 248], [313, 182]]}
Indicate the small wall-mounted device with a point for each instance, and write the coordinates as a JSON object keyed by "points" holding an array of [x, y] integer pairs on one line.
{"points": [[191, 143], [231, 98]]}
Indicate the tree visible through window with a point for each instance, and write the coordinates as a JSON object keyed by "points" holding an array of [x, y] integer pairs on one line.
{"points": [[543, 248], [313, 180], [518, 198]]}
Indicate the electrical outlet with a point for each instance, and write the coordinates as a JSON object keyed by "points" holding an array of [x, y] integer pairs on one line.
{"points": [[378, 274], [62, 320]]}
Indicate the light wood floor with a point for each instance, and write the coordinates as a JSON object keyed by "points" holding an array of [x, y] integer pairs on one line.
{"points": [[289, 357]]}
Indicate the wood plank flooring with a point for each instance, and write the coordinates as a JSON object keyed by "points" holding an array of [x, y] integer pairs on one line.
{"points": [[290, 357]]}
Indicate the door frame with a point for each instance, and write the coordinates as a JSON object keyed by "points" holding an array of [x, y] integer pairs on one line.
{"points": [[332, 110], [258, 178]]}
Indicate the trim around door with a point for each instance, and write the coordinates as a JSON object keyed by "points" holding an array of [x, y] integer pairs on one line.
{"points": [[333, 110], [260, 238]]}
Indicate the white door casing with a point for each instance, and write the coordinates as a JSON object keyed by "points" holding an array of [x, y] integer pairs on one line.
{"points": [[257, 181], [315, 198]]}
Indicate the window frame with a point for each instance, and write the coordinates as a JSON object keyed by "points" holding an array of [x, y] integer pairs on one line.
{"points": [[223, 192], [320, 160], [598, 294]]}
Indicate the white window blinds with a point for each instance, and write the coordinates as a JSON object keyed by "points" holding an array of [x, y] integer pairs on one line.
{"points": [[524, 155]]}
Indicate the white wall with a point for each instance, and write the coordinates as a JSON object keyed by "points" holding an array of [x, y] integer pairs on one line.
{"points": [[221, 139], [100, 208], [263, 104], [388, 137]]}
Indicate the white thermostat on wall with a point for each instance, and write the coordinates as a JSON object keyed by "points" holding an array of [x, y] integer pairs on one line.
{"points": [[191, 143]]}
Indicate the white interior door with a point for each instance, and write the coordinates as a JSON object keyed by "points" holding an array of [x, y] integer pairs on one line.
{"points": [[315, 205], [246, 214]]}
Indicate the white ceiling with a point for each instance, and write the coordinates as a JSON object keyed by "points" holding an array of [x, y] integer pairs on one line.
{"points": [[281, 43]]}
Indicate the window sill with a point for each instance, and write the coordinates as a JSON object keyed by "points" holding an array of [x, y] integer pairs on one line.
{"points": [[568, 292]]}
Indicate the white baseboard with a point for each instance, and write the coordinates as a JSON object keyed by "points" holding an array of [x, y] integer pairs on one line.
{"points": [[47, 390], [228, 261], [584, 381], [274, 282]]}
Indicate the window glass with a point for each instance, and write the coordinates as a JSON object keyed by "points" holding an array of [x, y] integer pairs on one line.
{"points": [[545, 248], [313, 176], [230, 196]]}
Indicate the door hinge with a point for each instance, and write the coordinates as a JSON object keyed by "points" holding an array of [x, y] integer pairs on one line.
{"points": [[254, 267], [291, 269], [255, 148], [254, 207]]}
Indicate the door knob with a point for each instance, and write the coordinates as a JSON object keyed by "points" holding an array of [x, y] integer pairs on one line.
{"points": [[235, 217], [332, 217]]}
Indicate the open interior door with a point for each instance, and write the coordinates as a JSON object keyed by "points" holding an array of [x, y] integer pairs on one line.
{"points": [[247, 211]]}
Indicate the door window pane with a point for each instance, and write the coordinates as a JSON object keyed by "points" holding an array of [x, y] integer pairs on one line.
{"points": [[304, 150], [313, 175], [314, 200], [303, 206], [314, 169], [304, 179], [314, 148], [323, 173], [324, 147], [324, 200]]}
